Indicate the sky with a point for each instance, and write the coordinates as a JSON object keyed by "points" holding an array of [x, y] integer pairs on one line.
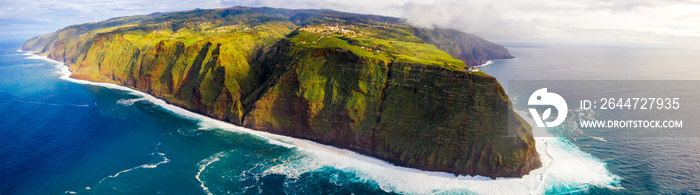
{"points": [[644, 23]]}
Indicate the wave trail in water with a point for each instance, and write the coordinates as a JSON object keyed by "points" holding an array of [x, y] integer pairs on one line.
{"points": [[143, 166], [52, 104], [129, 102], [203, 165]]}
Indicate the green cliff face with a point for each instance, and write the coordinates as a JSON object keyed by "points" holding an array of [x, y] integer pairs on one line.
{"points": [[370, 84], [471, 49]]}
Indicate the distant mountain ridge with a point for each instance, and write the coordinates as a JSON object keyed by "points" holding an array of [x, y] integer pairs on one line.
{"points": [[367, 83]]}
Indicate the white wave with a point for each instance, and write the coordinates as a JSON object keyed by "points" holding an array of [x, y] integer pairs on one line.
{"points": [[599, 139], [52, 104], [27, 53], [562, 162], [490, 62], [33, 65], [573, 167], [61, 68], [129, 102], [64, 73], [143, 166], [484, 64], [205, 122], [203, 165], [36, 57]]}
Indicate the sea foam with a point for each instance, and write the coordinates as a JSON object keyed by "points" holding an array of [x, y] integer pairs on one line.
{"points": [[484, 64], [129, 102], [203, 165], [143, 166], [563, 164]]}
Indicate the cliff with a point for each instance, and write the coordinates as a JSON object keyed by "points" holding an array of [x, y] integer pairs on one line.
{"points": [[367, 83], [471, 49]]}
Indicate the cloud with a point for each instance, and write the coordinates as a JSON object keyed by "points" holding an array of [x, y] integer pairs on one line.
{"points": [[384, 7], [578, 21], [486, 20]]}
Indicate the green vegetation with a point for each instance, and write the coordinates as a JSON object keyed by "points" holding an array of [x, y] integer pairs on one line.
{"points": [[470, 49], [367, 83], [377, 42]]}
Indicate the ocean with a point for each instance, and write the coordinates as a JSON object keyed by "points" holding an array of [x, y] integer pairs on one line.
{"points": [[662, 162], [66, 136]]}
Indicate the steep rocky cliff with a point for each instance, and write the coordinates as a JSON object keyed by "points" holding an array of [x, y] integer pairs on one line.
{"points": [[471, 49], [370, 84]]}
